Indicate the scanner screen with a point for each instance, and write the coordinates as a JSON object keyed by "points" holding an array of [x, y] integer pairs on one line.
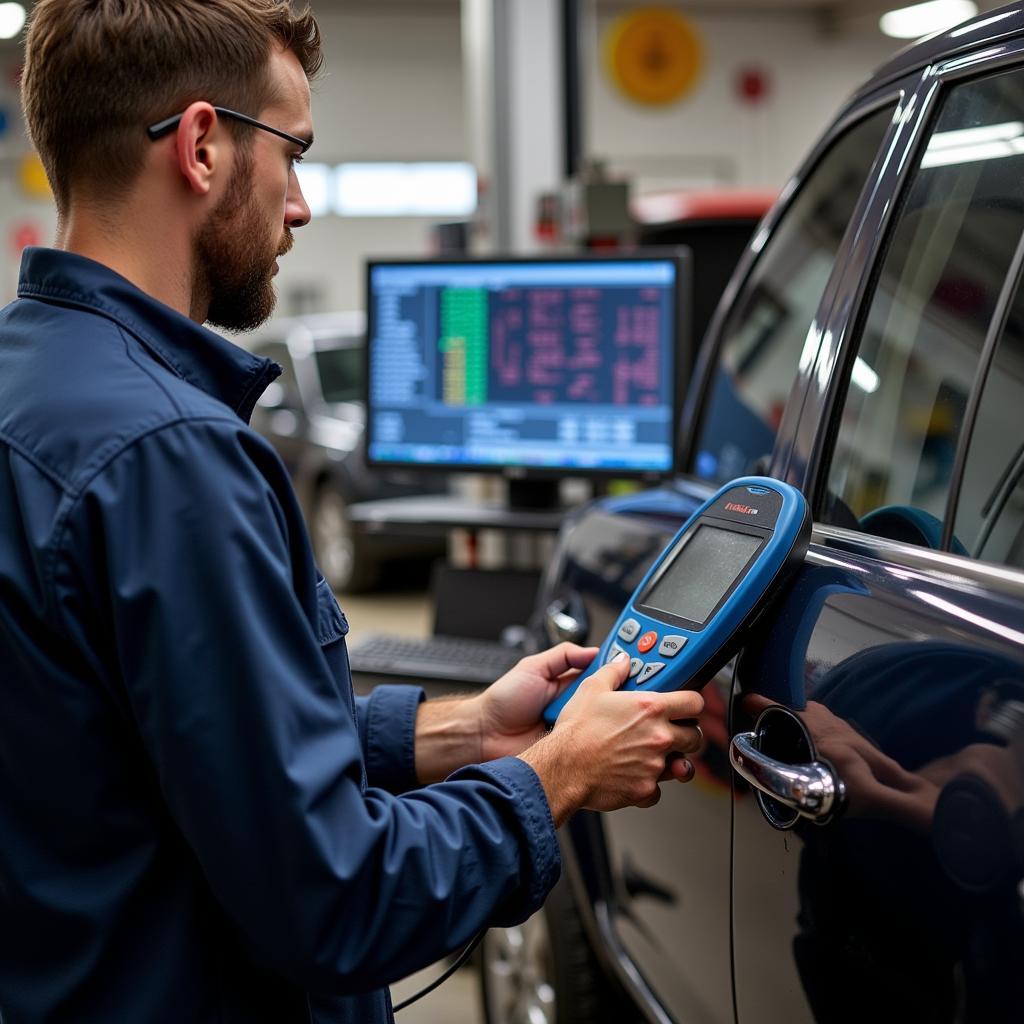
{"points": [[701, 574]]}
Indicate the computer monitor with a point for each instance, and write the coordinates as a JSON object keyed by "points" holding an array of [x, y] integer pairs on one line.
{"points": [[537, 368]]}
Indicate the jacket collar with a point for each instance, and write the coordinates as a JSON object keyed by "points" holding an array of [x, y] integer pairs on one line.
{"points": [[197, 355]]}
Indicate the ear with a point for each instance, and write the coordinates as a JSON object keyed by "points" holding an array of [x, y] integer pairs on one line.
{"points": [[200, 145]]}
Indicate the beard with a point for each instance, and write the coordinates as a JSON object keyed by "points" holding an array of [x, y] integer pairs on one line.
{"points": [[235, 251]]}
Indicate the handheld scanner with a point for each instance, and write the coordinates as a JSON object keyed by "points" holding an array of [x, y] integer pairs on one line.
{"points": [[690, 613]]}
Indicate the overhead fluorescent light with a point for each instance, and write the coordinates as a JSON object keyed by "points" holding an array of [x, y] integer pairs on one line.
{"points": [[12, 20], [864, 377], [421, 189], [976, 136], [315, 182], [971, 154], [405, 190], [967, 145], [923, 19]]}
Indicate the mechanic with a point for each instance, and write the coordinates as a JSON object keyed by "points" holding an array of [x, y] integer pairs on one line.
{"points": [[198, 821]]}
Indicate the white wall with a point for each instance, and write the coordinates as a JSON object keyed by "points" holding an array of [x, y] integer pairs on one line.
{"points": [[392, 90], [711, 137]]}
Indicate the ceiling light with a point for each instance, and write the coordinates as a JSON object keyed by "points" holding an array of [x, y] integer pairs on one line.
{"points": [[972, 154], [12, 20], [864, 377], [976, 136], [423, 189], [923, 19], [967, 145]]}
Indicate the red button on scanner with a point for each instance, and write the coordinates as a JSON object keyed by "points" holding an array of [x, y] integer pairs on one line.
{"points": [[646, 642]]}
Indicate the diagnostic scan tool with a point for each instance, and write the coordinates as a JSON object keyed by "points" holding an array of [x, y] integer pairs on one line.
{"points": [[691, 612]]}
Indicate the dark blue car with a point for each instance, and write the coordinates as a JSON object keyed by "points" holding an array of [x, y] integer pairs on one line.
{"points": [[853, 846]]}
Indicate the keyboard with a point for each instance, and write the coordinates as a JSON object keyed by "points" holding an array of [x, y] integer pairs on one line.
{"points": [[433, 657]]}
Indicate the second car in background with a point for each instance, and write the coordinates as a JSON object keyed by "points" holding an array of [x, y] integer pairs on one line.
{"points": [[314, 416]]}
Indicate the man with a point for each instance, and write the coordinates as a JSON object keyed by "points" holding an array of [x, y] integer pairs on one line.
{"points": [[198, 822]]}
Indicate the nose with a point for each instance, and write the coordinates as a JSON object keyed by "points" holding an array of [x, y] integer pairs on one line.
{"points": [[296, 210]]}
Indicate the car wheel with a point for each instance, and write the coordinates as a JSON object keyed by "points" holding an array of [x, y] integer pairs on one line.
{"points": [[339, 555], [544, 972]]}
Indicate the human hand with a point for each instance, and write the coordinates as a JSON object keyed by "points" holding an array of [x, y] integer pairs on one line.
{"points": [[611, 749], [510, 709], [993, 763]]}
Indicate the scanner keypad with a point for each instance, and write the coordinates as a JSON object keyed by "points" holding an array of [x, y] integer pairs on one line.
{"points": [[613, 651], [648, 642], [649, 671], [629, 630], [671, 645]]}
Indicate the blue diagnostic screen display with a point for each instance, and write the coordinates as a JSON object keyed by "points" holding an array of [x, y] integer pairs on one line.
{"points": [[701, 574], [556, 365]]}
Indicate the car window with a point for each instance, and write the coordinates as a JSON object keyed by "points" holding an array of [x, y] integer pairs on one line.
{"points": [[341, 373], [989, 520], [768, 325], [942, 273]]}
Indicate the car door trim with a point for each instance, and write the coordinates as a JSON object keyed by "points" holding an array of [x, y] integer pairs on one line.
{"points": [[849, 286], [998, 578], [696, 400], [593, 890], [849, 311]]}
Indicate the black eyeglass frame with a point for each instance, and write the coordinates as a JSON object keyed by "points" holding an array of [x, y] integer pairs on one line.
{"points": [[165, 127]]}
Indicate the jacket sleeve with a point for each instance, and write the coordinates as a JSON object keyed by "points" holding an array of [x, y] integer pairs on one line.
{"points": [[196, 540], [387, 732]]}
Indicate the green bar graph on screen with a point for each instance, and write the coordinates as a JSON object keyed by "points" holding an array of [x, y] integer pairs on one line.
{"points": [[463, 344]]}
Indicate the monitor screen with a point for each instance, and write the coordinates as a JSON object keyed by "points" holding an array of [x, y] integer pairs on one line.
{"points": [[550, 365]]}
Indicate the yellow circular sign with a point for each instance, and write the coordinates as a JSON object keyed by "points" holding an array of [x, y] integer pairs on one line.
{"points": [[33, 178], [653, 55]]}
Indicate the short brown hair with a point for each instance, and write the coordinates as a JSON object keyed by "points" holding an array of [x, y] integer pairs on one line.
{"points": [[98, 72]]}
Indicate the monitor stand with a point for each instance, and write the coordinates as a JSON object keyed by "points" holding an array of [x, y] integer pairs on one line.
{"points": [[533, 494]]}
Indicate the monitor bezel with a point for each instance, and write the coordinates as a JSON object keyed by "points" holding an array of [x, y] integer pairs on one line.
{"points": [[680, 256]]}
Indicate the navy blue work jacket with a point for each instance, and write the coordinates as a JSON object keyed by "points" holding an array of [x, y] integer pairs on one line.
{"points": [[198, 822]]}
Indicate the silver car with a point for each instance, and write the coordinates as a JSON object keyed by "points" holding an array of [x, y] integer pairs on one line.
{"points": [[314, 415]]}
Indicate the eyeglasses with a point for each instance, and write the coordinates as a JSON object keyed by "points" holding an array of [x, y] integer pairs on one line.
{"points": [[165, 127]]}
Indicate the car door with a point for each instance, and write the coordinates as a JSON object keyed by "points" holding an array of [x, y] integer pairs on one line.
{"points": [[886, 701], [669, 866]]}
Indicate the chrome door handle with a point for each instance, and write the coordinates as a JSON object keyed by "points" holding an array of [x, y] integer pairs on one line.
{"points": [[561, 624], [812, 790]]}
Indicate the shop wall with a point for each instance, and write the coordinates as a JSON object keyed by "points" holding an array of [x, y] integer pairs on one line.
{"points": [[392, 90], [712, 136]]}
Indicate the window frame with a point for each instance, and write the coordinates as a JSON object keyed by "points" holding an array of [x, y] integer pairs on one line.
{"points": [[927, 97], [697, 400], [1012, 283]]}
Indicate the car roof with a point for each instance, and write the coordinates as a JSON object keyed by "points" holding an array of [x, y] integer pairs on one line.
{"points": [[990, 27]]}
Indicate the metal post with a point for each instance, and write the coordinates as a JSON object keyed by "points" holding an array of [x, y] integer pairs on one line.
{"points": [[571, 87]]}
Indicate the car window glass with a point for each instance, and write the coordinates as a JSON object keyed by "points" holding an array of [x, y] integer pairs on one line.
{"points": [[341, 373], [935, 295], [768, 325], [989, 519]]}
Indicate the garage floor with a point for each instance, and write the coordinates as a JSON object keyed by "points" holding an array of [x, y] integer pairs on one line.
{"points": [[457, 1001]]}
